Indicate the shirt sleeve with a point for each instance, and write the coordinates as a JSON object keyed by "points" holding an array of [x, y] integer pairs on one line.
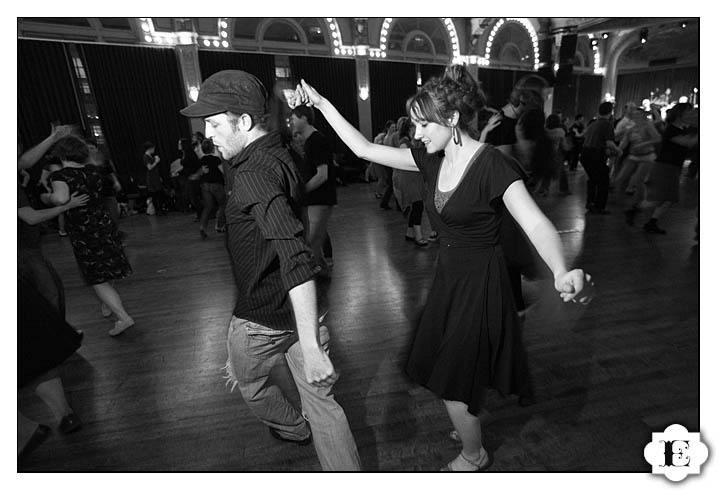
{"points": [[502, 171], [264, 195], [318, 151]]}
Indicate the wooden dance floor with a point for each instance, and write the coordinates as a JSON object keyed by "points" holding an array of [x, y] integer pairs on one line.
{"points": [[606, 375]]}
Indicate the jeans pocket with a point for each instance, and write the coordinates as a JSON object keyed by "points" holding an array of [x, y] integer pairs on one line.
{"points": [[263, 341]]}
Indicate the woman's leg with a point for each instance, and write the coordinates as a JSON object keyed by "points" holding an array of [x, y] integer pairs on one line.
{"points": [[468, 427], [417, 208], [318, 221], [221, 199], [207, 206], [328, 250], [52, 393], [109, 296]]}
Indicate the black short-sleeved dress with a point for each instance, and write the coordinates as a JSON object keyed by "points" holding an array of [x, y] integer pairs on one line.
{"points": [[94, 236], [468, 337]]}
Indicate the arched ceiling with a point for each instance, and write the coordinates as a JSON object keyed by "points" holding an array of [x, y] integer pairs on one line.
{"points": [[670, 40]]}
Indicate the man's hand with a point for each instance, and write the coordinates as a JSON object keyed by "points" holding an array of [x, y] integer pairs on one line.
{"points": [[575, 286], [318, 368], [77, 200]]}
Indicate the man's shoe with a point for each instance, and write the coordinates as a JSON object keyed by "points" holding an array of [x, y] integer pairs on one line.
{"points": [[652, 228], [279, 437], [70, 423]]}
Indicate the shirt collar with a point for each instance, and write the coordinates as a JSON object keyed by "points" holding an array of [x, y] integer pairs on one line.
{"points": [[269, 140]]}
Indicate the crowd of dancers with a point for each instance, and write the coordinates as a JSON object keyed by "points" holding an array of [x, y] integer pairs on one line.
{"points": [[477, 173]]}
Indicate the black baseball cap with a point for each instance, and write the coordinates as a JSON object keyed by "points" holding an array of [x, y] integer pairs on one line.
{"points": [[229, 90]]}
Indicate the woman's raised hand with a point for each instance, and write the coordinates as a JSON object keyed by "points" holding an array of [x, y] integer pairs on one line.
{"points": [[305, 94]]}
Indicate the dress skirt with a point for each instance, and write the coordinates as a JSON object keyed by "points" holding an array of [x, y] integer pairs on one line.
{"points": [[44, 338], [469, 336]]}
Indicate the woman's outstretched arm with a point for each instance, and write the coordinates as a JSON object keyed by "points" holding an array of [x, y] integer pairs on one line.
{"points": [[572, 285], [397, 158]]}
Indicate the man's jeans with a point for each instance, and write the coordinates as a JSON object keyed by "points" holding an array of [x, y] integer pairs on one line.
{"points": [[253, 351]]}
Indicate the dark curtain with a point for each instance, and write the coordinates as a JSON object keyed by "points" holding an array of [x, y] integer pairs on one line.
{"points": [[588, 95], [581, 96], [497, 84], [335, 79], [429, 71], [634, 87], [139, 94], [45, 90], [390, 85], [259, 65]]}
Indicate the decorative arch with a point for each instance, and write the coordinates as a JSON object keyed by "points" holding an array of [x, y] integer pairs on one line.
{"points": [[447, 22], [508, 49], [271, 21], [523, 21], [409, 38]]}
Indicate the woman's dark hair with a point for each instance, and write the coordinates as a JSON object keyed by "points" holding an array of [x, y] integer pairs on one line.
{"points": [[437, 99], [186, 145], [71, 148], [677, 111], [207, 146], [531, 124], [553, 121], [403, 125], [147, 145], [187, 149], [387, 125]]}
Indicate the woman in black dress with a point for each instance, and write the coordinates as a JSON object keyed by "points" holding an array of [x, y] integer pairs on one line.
{"points": [[468, 336], [94, 236]]}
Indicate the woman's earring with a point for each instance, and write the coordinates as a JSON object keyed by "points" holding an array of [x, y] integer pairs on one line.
{"points": [[456, 135]]}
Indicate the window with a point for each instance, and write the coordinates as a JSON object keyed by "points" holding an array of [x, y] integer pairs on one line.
{"points": [[115, 23], [65, 21], [419, 44], [246, 27], [283, 32]]}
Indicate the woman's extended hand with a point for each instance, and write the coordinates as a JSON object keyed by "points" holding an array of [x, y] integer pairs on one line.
{"points": [[576, 286], [492, 123], [305, 94], [77, 200]]}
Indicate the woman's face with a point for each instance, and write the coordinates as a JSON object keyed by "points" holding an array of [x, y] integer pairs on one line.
{"points": [[434, 136]]}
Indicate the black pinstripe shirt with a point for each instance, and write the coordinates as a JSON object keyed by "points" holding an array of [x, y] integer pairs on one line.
{"points": [[265, 237]]}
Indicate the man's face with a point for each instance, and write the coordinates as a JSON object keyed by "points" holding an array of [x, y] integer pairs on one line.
{"points": [[297, 123], [228, 140], [298, 138]]}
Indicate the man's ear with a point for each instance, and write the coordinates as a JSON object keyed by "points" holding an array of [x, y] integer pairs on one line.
{"points": [[246, 123]]}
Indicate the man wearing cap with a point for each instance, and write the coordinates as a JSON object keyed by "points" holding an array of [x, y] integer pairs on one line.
{"points": [[276, 310]]}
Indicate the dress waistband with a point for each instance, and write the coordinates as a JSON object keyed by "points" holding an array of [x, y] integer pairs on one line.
{"points": [[449, 244]]}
